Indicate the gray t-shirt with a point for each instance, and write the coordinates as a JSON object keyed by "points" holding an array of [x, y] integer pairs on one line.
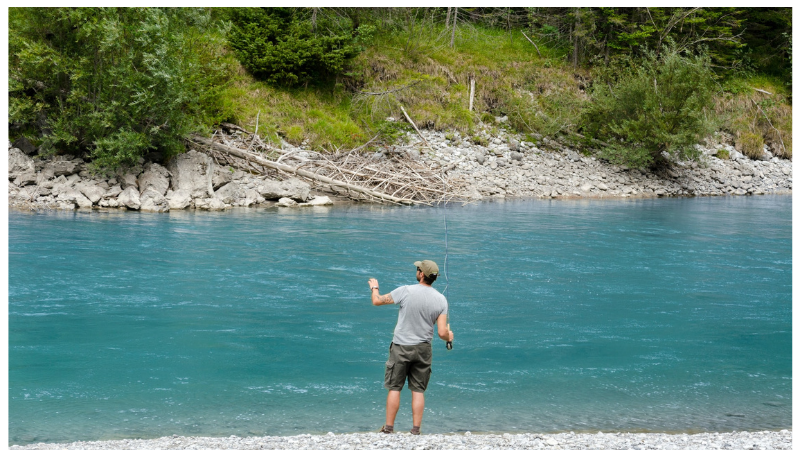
{"points": [[420, 306]]}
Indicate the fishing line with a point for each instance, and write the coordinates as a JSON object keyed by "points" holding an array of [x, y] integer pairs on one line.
{"points": [[446, 279]]}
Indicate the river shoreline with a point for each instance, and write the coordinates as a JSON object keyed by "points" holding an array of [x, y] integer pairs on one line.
{"points": [[500, 166], [558, 441]]}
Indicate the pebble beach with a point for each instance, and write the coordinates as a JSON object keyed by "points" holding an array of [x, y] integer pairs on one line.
{"points": [[403, 440]]}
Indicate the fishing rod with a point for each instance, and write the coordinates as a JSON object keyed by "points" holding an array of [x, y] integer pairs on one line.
{"points": [[446, 280]]}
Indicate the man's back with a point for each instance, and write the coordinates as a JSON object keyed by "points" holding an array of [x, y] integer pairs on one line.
{"points": [[420, 306]]}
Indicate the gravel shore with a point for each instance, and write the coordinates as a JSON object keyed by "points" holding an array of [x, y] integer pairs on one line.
{"points": [[562, 441], [504, 165]]}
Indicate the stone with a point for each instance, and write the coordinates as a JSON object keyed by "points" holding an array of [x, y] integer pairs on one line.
{"points": [[786, 170], [210, 204], [285, 201], [18, 163], [127, 180], [25, 179], [320, 200], [480, 159], [230, 193], [222, 176], [180, 199], [516, 156], [251, 197], [191, 173], [130, 198], [113, 191], [79, 199], [586, 187], [25, 145], [413, 154], [602, 187], [63, 167], [155, 176], [92, 192], [46, 173], [292, 188], [152, 200]]}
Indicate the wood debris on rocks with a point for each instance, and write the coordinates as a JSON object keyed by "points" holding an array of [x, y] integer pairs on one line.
{"points": [[395, 176]]}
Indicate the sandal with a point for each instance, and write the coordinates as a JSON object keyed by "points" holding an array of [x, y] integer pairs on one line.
{"points": [[414, 431], [384, 430]]}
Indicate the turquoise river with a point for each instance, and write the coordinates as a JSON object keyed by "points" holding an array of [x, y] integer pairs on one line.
{"points": [[643, 315]]}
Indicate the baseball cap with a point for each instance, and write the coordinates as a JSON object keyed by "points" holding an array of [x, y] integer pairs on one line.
{"points": [[428, 267]]}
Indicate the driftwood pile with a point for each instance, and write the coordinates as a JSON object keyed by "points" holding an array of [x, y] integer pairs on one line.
{"points": [[361, 176]]}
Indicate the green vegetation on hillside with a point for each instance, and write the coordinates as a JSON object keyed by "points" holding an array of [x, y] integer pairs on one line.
{"points": [[116, 83], [121, 83]]}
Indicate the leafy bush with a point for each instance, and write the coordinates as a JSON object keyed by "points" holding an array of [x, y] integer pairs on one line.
{"points": [[750, 144], [116, 82], [656, 105], [283, 46]]}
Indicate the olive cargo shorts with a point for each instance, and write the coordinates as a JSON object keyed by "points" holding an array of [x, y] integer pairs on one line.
{"points": [[408, 361]]}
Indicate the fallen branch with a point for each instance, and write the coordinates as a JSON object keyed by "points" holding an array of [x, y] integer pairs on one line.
{"points": [[415, 126], [529, 40], [770, 124], [300, 172]]}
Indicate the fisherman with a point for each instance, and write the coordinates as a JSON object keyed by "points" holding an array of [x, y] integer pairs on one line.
{"points": [[421, 306]]}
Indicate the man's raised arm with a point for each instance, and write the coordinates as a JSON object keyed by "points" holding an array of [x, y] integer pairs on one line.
{"points": [[377, 298]]}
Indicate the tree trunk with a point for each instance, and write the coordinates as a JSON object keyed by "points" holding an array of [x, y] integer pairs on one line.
{"points": [[447, 20], [471, 92], [455, 20], [575, 32], [314, 20]]}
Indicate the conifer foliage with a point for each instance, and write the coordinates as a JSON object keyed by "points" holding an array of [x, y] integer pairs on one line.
{"points": [[291, 46], [657, 105]]}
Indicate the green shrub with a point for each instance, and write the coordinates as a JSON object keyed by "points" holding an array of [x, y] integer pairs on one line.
{"points": [[391, 131], [750, 144], [654, 105], [480, 140], [282, 46], [723, 154], [114, 82]]}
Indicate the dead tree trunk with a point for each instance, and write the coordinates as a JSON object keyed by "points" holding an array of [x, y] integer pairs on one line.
{"points": [[453, 35]]}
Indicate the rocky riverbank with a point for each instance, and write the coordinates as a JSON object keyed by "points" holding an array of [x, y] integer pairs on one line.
{"points": [[189, 180], [762, 440], [490, 164], [502, 165]]}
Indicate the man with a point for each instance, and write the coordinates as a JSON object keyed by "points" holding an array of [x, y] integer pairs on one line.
{"points": [[410, 352]]}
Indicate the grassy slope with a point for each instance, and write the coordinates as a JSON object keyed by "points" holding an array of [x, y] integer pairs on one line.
{"points": [[539, 93]]}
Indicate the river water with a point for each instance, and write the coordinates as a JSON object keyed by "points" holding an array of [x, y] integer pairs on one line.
{"points": [[644, 315]]}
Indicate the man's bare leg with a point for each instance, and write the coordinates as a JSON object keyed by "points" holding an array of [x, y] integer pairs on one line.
{"points": [[392, 406], [417, 407]]}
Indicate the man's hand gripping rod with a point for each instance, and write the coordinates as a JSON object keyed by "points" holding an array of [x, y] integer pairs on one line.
{"points": [[449, 343]]}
